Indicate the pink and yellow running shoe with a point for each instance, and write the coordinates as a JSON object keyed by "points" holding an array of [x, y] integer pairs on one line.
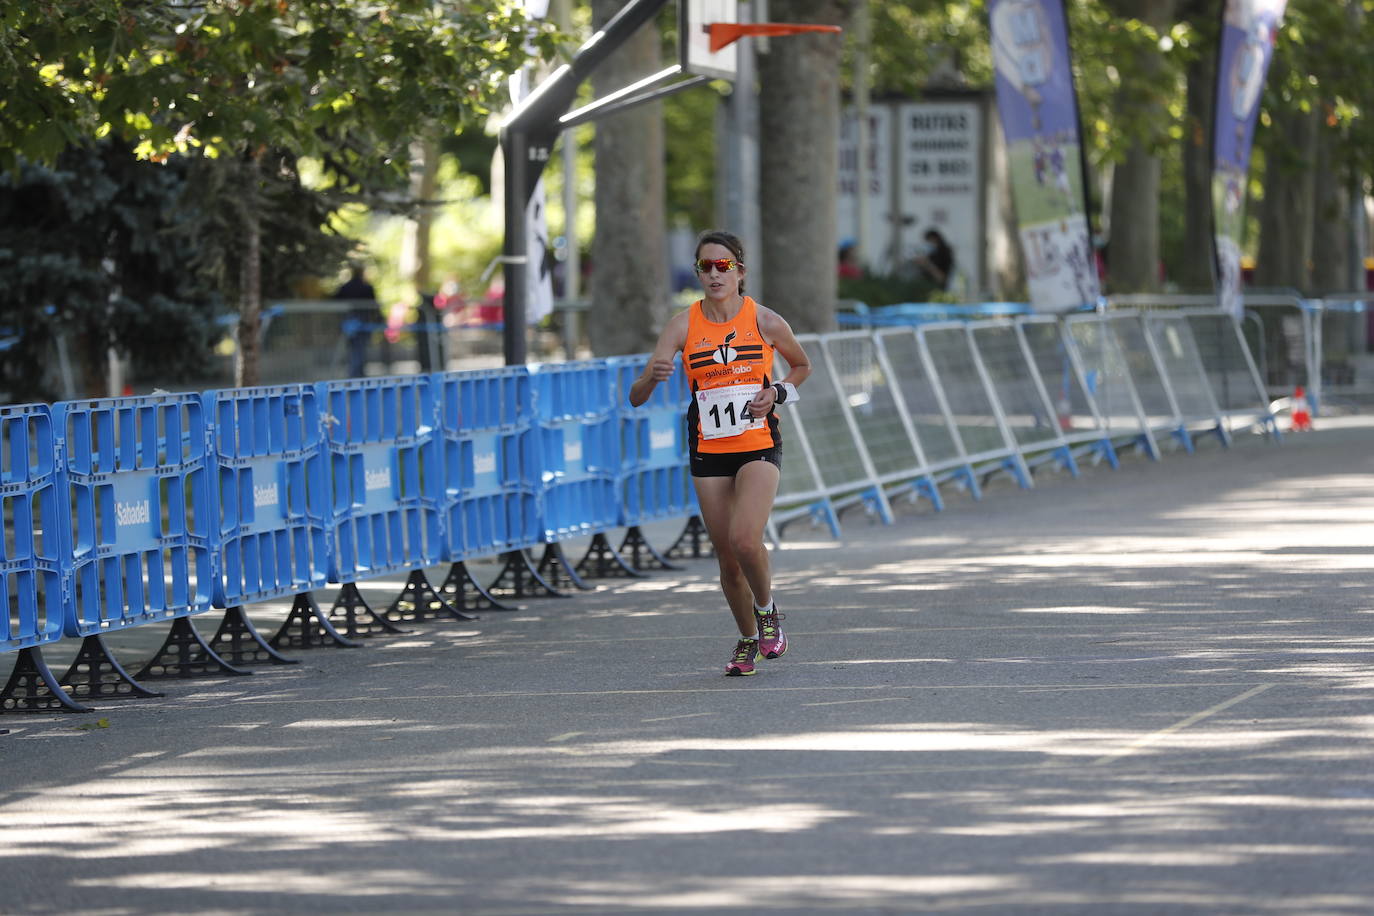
{"points": [[741, 664], [772, 640]]}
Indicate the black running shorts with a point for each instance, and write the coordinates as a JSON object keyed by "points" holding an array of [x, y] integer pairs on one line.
{"points": [[728, 464]]}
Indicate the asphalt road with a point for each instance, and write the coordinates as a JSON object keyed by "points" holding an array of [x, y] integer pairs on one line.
{"points": [[1143, 691]]}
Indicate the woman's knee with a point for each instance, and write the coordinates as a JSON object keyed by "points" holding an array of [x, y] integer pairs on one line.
{"points": [[746, 546], [733, 578]]}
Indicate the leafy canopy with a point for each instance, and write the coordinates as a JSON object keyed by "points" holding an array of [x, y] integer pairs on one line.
{"points": [[347, 81]]}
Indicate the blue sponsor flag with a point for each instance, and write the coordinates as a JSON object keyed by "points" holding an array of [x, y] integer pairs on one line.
{"points": [[1248, 29], [1039, 113]]}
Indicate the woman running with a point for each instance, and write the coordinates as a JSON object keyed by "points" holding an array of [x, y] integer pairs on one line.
{"points": [[727, 341]]}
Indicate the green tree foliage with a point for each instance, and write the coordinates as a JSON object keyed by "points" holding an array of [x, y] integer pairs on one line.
{"points": [[690, 128], [100, 247], [1321, 64], [343, 80], [350, 83], [124, 254]]}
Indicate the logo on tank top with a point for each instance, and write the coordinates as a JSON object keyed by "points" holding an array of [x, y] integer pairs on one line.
{"points": [[726, 353]]}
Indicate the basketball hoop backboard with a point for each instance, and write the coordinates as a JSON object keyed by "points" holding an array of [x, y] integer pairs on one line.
{"points": [[694, 41]]}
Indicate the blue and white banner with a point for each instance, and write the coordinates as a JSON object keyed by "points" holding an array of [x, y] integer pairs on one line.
{"points": [[1248, 28], [539, 272], [1039, 113]]}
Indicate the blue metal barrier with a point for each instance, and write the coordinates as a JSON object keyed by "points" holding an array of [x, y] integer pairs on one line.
{"points": [[385, 476], [654, 482], [32, 565], [490, 461], [272, 492], [579, 448], [136, 474]]}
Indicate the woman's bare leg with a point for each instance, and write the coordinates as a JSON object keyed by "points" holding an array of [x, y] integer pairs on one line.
{"points": [[735, 512], [715, 497]]}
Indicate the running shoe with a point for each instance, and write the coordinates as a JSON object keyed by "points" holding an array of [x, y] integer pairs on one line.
{"points": [[772, 640], [742, 662]]}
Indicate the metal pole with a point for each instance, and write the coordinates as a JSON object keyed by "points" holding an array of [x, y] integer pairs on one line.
{"points": [[862, 238], [572, 256], [526, 139], [742, 167], [515, 251]]}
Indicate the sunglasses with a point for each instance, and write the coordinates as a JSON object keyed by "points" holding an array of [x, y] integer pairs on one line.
{"points": [[722, 265]]}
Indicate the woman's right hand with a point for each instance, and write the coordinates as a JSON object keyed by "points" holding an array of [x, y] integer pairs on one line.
{"points": [[660, 370]]}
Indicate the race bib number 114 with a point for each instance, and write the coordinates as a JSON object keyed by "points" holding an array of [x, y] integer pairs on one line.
{"points": [[724, 412]]}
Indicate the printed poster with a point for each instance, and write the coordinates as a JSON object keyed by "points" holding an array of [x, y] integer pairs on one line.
{"points": [[1248, 30], [1039, 112]]}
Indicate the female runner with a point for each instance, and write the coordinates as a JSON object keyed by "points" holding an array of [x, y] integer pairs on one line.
{"points": [[727, 341]]}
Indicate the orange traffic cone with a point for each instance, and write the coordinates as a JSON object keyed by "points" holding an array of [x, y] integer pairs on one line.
{"points": [[1299, 416]]}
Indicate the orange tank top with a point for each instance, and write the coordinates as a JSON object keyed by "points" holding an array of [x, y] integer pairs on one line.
{"points": [[727, 363]]}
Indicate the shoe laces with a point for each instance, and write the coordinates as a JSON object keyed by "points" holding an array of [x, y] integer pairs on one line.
{"points": [[745, 649], [768, 623]]}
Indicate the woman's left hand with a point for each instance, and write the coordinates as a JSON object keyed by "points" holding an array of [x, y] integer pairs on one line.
{"points": [[763, 401]]}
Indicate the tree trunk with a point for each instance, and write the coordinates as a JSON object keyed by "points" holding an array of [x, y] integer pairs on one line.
{"points": [[1331, 211], [1135, 223], [1194, 273], [1285, 246], [1134, 243], [629, 283], [424, 182], [247, 364], [416, 253], [799, 123]]}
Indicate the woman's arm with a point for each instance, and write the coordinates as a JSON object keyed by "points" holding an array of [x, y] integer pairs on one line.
{"points": [[778, 333], [660, 367]]}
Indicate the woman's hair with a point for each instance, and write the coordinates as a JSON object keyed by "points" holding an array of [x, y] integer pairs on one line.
{"points": [[726, 240]]}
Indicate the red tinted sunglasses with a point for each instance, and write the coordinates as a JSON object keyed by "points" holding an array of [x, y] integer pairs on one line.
{"points": [[722, 265]]}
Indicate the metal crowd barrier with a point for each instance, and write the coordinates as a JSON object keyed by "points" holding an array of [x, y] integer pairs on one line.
{"points": [[879, 417], [1109, 382], [491, 478], [1055, 362], [653, 482], [386, 487], [1292, 342], [490, 464], [919, 397], [136, 472], [983, 431], [579, 448], [33, 564], [1233, 376], [271, 487], [129, 511], [1344, 348], [906, 410]]}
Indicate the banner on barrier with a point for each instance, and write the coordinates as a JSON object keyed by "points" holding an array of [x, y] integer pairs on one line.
{"points": [[272, 492], [1039, 113], [490, 462], [385, 480], [136, 476]]}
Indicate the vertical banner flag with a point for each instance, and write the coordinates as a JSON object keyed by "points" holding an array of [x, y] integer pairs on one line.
{"points": [[1039, 113], [539, 268], [1248, 28]]}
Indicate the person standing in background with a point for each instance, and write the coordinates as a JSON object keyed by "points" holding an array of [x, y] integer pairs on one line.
{"points": [[935, 260], [361, 317]]}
